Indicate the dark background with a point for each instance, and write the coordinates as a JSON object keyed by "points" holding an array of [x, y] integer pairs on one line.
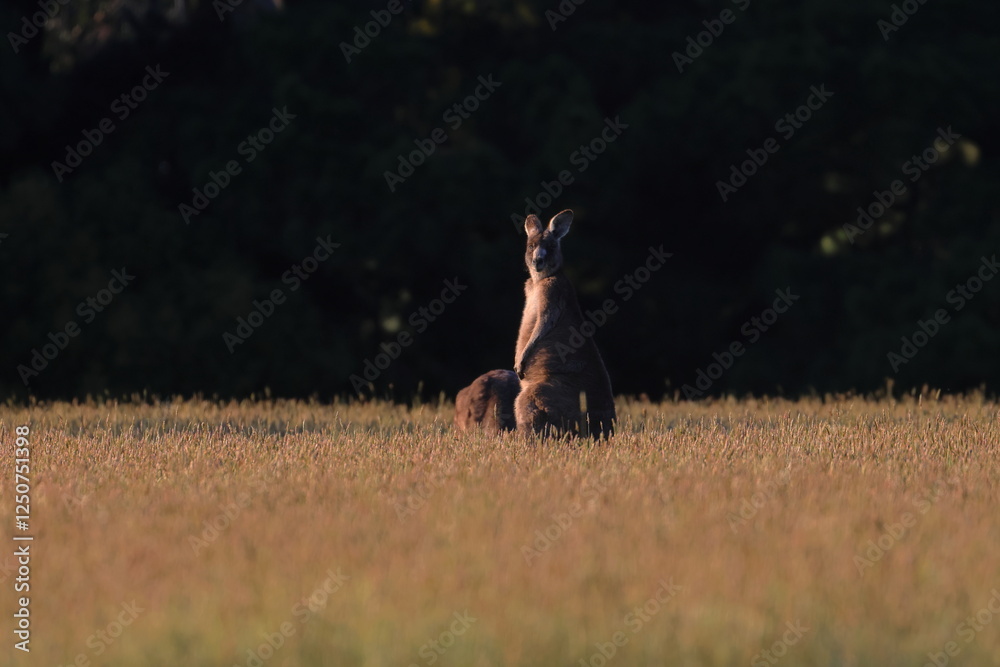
{"points": [[655, 185]]}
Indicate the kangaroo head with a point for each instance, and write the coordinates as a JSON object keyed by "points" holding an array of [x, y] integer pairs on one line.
{"points": [[544, 254]]}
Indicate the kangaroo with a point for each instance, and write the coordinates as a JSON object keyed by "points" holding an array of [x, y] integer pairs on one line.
{"points": [[488, 402], [554, 361]]}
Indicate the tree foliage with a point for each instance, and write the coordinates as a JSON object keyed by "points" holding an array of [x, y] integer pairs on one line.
{"points": [[789, 226]]}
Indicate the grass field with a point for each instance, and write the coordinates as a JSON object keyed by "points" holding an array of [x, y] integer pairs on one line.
{"points": [[757, 532]]}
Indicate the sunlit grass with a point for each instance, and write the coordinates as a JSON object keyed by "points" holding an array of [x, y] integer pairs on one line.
{"points": [[426, 524]]}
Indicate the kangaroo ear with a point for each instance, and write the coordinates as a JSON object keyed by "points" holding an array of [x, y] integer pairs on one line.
{"points": [[532, 225], [560, 222]]}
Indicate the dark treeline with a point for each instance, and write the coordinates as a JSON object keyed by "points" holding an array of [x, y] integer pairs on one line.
{"points": [[222, 197]]}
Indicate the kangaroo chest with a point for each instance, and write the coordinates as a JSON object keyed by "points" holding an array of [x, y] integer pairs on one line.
{"points": [[533, 302]]}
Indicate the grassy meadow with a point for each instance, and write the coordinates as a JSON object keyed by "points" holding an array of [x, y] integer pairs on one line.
{"points": [[826, 532]]}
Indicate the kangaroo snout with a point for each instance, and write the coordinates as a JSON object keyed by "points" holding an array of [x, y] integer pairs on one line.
{"points": [[539, 259]]}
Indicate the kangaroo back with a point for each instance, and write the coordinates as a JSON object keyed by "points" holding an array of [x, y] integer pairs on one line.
{"points": [[488, 402]]}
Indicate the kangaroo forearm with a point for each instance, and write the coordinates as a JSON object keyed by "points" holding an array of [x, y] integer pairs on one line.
{"points": [[545, 324], [525, 352]]}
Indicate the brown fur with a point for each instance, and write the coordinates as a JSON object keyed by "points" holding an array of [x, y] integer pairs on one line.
{"points": [[488, 402], [555, 364]]}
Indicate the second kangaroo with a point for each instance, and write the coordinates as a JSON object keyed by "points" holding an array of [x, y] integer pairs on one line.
{"points": [[553, 373]]}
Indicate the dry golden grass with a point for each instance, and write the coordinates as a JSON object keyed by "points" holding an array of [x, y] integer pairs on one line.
{"points": [[121, 490]]}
